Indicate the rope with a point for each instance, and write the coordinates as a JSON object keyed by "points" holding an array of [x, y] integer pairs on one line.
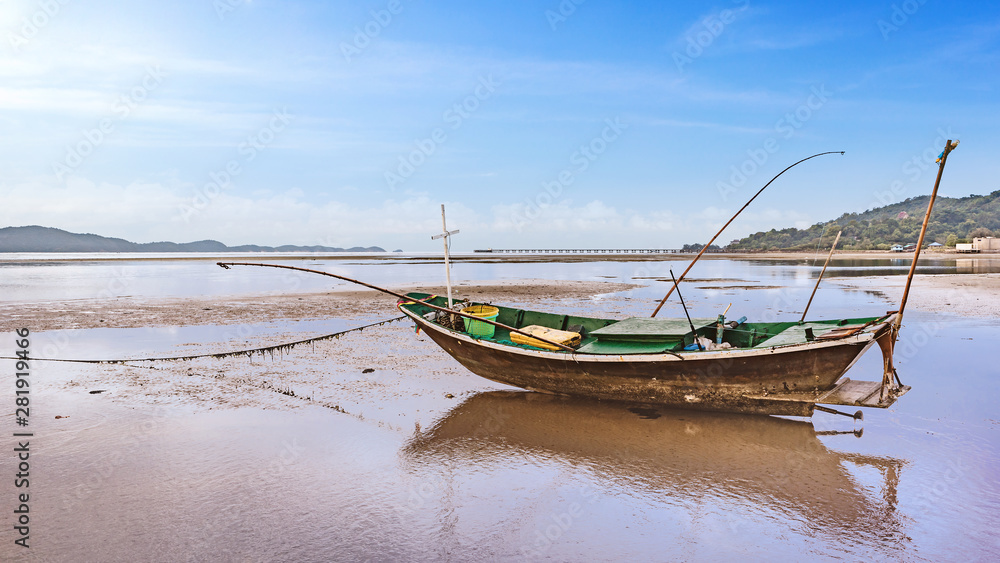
{"points": [[248, 353]]}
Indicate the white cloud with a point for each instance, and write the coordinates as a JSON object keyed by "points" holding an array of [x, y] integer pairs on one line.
{"points": [[162, 210], [561, 216], [151, 211]]}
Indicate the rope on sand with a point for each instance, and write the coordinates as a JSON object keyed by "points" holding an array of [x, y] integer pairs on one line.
{"points": [[280, 348]]}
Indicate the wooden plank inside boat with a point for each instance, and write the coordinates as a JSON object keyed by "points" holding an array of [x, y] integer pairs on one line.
{"points": [[622, 347], [797, 334], [638, 329], [842, 331], [566, 338]]}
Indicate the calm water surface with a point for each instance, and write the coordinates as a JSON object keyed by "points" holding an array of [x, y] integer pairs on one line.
{"points": [[513, 476], [28, 279]]}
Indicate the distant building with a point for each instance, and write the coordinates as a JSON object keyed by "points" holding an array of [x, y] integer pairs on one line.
{"points": [[935, 245], [896, 248], [964, 248], [986, 244]]}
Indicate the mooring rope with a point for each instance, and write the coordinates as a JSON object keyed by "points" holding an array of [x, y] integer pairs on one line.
{"points": [[248, 353]]}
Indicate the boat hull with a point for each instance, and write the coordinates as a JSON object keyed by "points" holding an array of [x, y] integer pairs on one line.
{"points": [[725, 380]]}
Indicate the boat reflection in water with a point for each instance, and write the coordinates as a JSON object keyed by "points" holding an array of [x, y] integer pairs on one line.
{"points": [[761, 468]]}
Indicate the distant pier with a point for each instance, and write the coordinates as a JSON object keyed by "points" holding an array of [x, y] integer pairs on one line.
{"points": [[583, 251]]}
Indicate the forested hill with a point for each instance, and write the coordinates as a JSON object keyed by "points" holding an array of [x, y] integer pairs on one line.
{"points": [[953, 220]]}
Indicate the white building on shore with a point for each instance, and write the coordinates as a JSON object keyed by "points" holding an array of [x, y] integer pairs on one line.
{"points": [[986, 244]]}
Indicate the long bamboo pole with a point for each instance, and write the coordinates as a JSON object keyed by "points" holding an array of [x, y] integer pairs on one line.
{"points": [[226, 265], [889, 347], [704, 248], [820, 278], [948, 147]]}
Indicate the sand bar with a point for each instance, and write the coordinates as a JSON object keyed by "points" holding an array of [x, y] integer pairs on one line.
{"points": [[130, 312], [967, 295]]}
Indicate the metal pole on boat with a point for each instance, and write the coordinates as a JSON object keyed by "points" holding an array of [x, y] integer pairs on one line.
{"points": [[445, 234], [694, 333], [942, 159], [828, 256], [704, 248]]}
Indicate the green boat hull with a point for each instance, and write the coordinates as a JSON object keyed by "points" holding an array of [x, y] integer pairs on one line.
{"points": [[786, 378]]}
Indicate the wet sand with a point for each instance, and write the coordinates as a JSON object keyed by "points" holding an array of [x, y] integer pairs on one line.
{"points": [[127, 312], [967, 295], [328, 373]]}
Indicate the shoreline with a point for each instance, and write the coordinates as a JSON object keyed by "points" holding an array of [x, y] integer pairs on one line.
{"points": [[486, 257], [967, 295]]}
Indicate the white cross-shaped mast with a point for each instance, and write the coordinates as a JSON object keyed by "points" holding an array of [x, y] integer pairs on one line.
{"points": [[447, 263]]}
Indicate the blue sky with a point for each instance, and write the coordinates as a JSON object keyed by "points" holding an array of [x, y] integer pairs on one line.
{"points": [[539, 124]]}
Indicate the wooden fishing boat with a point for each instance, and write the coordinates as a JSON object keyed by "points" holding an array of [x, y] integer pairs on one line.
{"points": [[783, 368]]}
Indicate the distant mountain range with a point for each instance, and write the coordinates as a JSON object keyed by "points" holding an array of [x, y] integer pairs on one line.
{"points": [[46, 239]]}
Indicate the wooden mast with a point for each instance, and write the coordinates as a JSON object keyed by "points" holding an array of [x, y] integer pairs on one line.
{"points": [[445, 234], [948, 147], [888, 345]]}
